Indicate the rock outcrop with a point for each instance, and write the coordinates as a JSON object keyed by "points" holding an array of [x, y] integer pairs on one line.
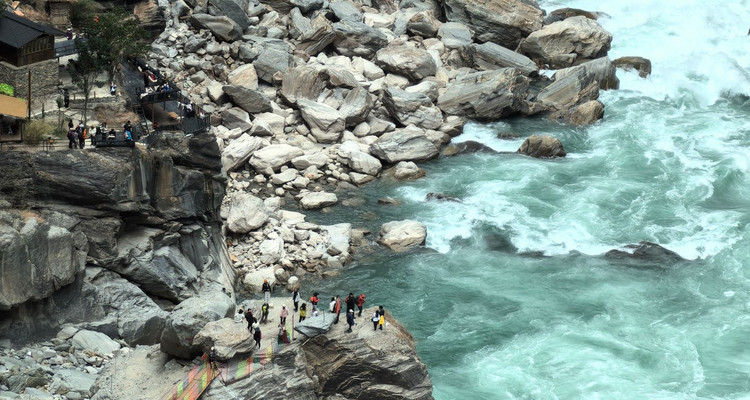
{"points": [[386, 365], [141, 223], [505, 22]]}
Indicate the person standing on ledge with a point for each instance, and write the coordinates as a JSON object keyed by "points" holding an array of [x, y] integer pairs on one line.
{"points": [[257, 334], [350, 319], [360, 303], [350, 301], [249, 318], [296, 298], [302, 312], [264, 313], [375, 320], [266, 289], [337, 309], [282, 316], [381, 318], [314, 301]]}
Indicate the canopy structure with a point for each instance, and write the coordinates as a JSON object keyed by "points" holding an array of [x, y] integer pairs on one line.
{"points": [[13, 106]]}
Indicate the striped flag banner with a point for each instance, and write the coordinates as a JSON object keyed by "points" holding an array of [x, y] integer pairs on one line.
{"points": [[201, 375], [197, 380]]}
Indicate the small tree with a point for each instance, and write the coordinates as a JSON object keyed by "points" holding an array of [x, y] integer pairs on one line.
{"points": [[84, 71], [114, 35]]}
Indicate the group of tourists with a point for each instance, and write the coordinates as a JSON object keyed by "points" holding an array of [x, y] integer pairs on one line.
{"points": [[77, 134], [350, 302]]}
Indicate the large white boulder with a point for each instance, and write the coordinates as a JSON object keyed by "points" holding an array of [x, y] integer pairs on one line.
{"points": [[406, 144], [271, 250], [317, 200], [189, 317], [358, 160], [326, 123], [402, 235], [274, 156], [246, 213], [226, 336], [238, 151], [94, 341]]}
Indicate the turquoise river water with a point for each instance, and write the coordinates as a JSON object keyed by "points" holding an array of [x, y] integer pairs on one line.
{"points": [[513, 297]]}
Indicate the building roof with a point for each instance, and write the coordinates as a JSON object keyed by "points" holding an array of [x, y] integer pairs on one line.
{"points": [[16, 31], [13, 106]]}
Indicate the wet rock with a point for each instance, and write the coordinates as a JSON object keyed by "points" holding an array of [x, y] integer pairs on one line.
{"points": [[583, 114], [469, 147], [542, 147], [407, 170], [442, 197], [564, 13], [644, 251], [408, 144], [562, 43], [640, 64], [579, 84]]}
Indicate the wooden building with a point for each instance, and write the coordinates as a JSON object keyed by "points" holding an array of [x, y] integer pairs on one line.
{"points": [[24, 42], [27, 49]]}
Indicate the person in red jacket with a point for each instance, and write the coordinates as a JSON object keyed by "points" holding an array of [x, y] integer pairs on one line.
{"points": [[314, 302], [360, 303]]}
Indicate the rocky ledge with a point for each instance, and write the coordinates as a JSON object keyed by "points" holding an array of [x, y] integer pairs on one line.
{"points": [[363, 364]]}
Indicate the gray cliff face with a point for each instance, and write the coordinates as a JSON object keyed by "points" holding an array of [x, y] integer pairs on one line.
{"points": [[110, 239]]}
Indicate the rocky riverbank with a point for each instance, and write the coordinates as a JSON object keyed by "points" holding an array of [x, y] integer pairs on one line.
{"points": [[309, 100], [313, 99]]}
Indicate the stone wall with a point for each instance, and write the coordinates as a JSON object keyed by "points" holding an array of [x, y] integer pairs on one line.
{"points": [[45, 77]]}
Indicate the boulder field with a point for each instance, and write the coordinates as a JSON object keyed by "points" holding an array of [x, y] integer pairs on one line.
{"points": [[121, 265]]}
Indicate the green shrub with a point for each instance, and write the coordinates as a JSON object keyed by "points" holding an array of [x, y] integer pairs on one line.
{"points": [[6, 89], [37, 130]]}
